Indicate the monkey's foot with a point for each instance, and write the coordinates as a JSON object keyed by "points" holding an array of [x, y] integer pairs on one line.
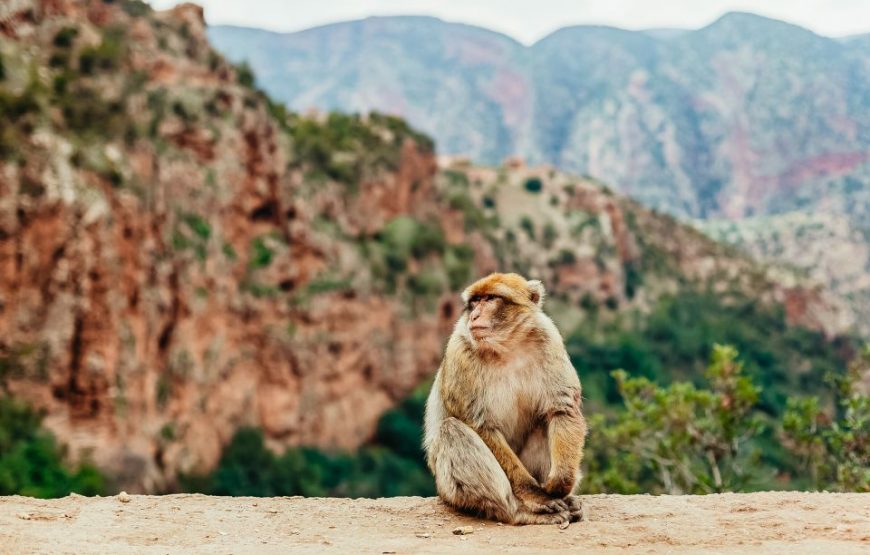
{"points": [[575, 508], [536, 500], [525, 517]]}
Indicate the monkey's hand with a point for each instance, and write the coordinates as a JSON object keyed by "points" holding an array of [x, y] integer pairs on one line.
{"points": [[575, 508], [536, 500], [560, 485]]}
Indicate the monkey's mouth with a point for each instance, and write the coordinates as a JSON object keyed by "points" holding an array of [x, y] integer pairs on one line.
{"points": [[479, 330]]}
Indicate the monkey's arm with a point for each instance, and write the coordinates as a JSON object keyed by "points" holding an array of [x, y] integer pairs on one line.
{"points": [[566, 433]]}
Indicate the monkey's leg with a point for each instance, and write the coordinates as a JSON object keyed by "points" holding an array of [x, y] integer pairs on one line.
{"points": [[468, 476]]}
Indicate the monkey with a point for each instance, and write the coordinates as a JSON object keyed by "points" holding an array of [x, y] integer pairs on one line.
{"points": [[503, 428]]}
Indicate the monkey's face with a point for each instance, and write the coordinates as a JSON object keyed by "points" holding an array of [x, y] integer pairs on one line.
{"points": [[485, 314], [499, 310]]}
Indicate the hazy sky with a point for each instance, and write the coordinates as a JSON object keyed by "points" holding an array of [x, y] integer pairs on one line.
{"points": [[528, 21]]}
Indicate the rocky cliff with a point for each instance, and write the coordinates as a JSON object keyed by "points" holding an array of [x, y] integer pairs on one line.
{"points": [[179, 256]]}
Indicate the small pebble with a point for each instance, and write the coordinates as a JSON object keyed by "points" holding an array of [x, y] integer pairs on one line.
{"points": [[124, 497], [563, 525], [463, 530]]}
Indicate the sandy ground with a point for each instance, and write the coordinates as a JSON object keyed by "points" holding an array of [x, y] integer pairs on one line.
{"points": [[759, 523]]}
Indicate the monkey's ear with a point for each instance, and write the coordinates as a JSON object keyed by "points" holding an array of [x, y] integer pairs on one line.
{"points": [[536, 292]]}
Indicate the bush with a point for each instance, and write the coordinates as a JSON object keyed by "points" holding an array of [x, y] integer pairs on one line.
{"points": [[245, 75], [679, 439], [528, 226], [261, 254], [392, 464], [65, 37], [106, 56], [31, 463], [834, 450], [534, 185]]}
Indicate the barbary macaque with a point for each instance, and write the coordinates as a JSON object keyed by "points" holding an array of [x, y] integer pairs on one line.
{"points": [[504, 431]]}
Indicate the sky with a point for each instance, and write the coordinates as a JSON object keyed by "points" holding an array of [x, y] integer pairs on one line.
{"points": [[528, 21]]}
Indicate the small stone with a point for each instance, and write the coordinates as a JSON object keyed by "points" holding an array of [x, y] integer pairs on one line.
{"points": [[423, 534], [124, 497], [563, 525], [463, 530]]}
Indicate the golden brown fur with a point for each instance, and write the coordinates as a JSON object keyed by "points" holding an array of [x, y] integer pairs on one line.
{"points": [[504, 429]]}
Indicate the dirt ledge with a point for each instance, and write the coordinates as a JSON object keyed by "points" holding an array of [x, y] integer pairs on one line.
{"points": [[730, 523]]}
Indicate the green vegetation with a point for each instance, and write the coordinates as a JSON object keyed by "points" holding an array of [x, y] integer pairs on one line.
{"points": [[347, 148], [261, 254], [673, 342], [31, 463], [534, 185], [678, 439], [403, 239], [834, 446], [392, 465], [191, 231], [245, 75], [106, 56]]}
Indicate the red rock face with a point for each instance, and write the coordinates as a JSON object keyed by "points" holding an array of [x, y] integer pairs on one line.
{"points": [[135, 312]]}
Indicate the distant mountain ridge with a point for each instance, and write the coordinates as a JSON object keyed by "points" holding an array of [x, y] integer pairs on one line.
{"points": [[728, 120]]}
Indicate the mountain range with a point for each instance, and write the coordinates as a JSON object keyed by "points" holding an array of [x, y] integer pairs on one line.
{"points": [[743, 117], [749, 125]]}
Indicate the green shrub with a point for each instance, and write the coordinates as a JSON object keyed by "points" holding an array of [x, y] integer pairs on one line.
{"points": [[834, 448], [534, 185], [633, 278], [65, 37], [245, 75], [549, 235], [459, 263], [107, 56], [528, 226], [31, 463], [136, 8], [198, 225], [679, 439], [261, 254]]}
